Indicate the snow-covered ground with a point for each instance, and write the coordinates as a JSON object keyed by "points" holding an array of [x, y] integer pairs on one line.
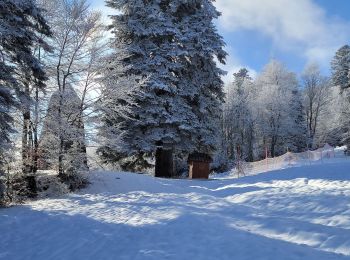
{"points": [[326, 154], [295, 213]]}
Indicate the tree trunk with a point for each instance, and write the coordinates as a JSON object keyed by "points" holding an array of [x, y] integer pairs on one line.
{"points": [[25, 146], [35, 158], [250, 156], [60, 159], [61, 173], [83, 151], [82, 145], [35, 132], [30, 147], [164, 163], [26, 132], [31, 186], [273, 145]]}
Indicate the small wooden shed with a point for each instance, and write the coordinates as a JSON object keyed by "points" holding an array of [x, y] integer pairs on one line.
{"points": [[199, 165]]}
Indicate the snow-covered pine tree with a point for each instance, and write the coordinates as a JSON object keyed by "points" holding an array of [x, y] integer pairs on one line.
{"points": [[345, 121], [7, 88], [239, 122], [7, 103], [24, 26], [166, 111], [21, 27], [297, 141], [200, 82], [144, 47], [341, 67], [341, 77]]}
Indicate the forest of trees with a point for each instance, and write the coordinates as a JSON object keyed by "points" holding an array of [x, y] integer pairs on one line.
{"points": [[277, 112], [146, 91]]}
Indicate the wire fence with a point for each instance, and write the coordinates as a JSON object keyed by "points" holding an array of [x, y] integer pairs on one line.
{"points": [[286, 160]]}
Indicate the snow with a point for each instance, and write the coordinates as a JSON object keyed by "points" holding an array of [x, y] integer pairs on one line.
{"points": [[295, 213], [323, 155]]}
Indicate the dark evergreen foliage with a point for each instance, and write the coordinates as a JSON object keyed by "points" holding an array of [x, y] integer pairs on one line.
{"points": [[164, 52], [341, 77], [21, 28]]}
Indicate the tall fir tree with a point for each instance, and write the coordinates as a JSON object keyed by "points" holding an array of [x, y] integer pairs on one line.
{"points": [[239, 120], [21, 27], [200, 79], [297, 140], [341, 67], [145, 47], [160, 45], [341, 77]]}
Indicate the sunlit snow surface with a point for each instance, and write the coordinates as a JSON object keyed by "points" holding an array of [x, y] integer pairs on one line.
{"points": [[295, 213]]}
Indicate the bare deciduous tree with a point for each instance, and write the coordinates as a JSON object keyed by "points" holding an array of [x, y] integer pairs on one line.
{"points": [[78, 45], [316, 93]]}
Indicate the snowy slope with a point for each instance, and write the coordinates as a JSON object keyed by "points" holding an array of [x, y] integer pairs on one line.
{"points": [[295, 213], [323, 155]]}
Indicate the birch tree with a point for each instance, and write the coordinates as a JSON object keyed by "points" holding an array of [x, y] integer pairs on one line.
{"points": [[77, 45]]}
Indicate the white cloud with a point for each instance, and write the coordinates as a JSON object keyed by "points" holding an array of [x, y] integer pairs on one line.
{"points": [[293, 25]]}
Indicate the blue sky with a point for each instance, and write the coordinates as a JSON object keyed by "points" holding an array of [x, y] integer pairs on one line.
{"points": [[296, 32]]}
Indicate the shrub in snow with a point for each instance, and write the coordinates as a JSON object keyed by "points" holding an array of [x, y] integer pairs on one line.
{"points": [[74, 180], [51, 186], [180, 165], [17, 187], [2, 190]]}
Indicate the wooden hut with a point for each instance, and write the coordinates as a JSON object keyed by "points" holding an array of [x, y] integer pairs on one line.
{"points": [[199, 165]]}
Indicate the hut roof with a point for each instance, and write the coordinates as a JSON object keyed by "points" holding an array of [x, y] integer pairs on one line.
{"points": [[199, 157]]}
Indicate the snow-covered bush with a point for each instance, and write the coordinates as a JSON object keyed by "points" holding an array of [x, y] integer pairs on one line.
{"points": [[51, 186], [2, 190], [15, 188], [221, 161], [180, 165], [74, 179]]}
